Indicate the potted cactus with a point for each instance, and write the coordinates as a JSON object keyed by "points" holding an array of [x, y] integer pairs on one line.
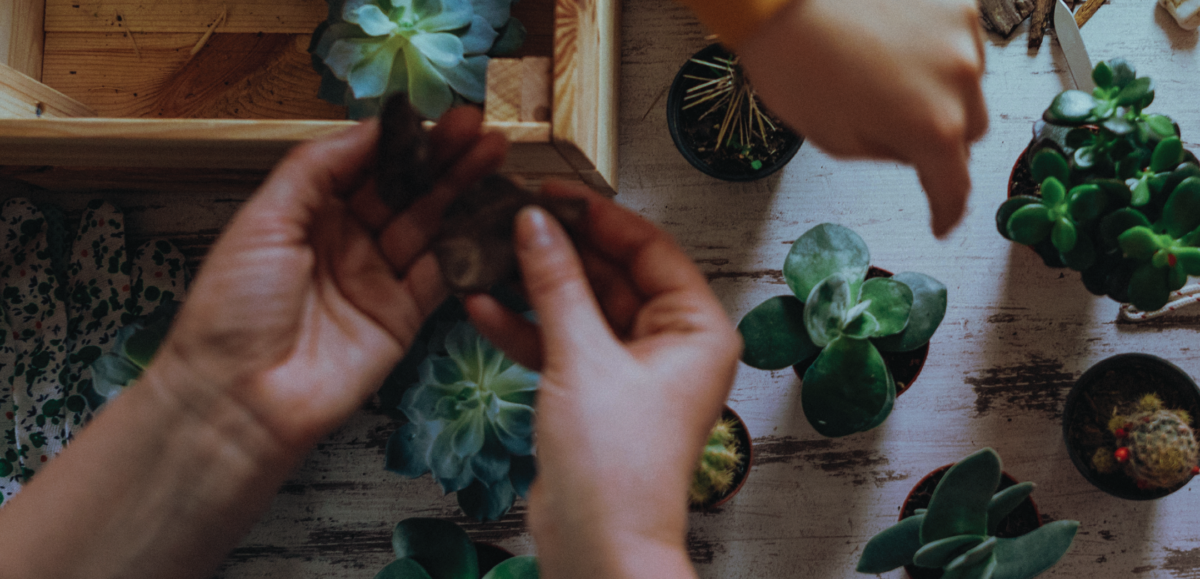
{"points": [[724, 463], [958, 533], [842, 320], [718, 123], [1107, 189], [433, 548], [1128, 426]]}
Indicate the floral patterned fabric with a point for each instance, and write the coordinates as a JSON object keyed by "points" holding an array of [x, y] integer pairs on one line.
{"points": [[61, 306]]}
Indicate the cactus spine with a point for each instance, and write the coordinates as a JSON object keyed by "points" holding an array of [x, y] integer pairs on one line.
{"points": [[718, 464], [1156, 446]]}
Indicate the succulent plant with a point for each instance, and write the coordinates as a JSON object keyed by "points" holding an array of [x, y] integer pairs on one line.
{"points": [[132, 350], [718, 466], [437, 549], [1156, 446], [470, 423], [436, 51], [1106, 167], [843, 319], [956, 533]]}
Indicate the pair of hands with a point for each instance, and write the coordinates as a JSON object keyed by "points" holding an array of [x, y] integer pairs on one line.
{"points": [[880, 79]]}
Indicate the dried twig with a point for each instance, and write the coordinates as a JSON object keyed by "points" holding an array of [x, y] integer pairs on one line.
{"points": [[729, 92], [1086, 11], [208, 34], [1040, 20]]}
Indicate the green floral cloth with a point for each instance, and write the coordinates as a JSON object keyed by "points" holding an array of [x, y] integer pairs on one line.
{"points": [[62, 303]]}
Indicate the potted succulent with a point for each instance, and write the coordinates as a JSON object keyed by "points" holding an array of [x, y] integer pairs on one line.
{"points": [[724, 463], [437, 549], [842, 320], [436, 52], [718, 123], [958, 533], [1127, 424], [1107, 189], [132, 350]]}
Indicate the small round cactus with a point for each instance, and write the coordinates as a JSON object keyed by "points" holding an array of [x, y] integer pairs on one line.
{"points": [[1156, 446], [718, 464]]}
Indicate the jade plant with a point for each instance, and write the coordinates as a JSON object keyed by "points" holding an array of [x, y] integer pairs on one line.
{"points": [[719, 463], [956, 533], [438, 549], [1119, 196], [843, 320], [436, 51], [1156, 446], [470, 423]]}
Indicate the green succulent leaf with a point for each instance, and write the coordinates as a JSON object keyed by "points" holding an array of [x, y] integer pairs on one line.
{"points": [[926, 314], [775, 335], [1010, 206], [826, 308], [1030, 224], [1081, 256], [938, 553], [1063, 234], [403, 569], [960, 501], [1115, 190], [1176, 278], [1149, 288], [1049, 163], [890, 304], [1118, 222], [1087, 202], [1085, 157], [1139, 243], [512, 37], [845, 388], [981, 570], [1004, 502], [861, 324], [1161, 124], [1053, 192], [1123, 72], [1188, 260], [1033, 553], [1070, 107], [822, 251], [1102, 75], [487, 502], [1135, 92], [1119, 126], [441, 547], [973, 557], [892, 548], [1140, 192], [886, 411], [1181, 214], [1168, 154], [515, 568]]}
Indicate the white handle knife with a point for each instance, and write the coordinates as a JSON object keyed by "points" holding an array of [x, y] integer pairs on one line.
{"points": [[1072, 46]]}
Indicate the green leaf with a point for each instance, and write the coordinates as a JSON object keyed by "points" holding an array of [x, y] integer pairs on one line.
{"points": [[1081, 256], [1119, 126], [1140, 192], [861, 324], [441, 547], [484, 502], [1161, 124], [891, 302], [1063, 234], [1053, 192], [1188, 260], [1176, 278], [888, 405], [976, 555], [1139, 243], [1033, 553], [1181, 214], [892, 548], [1167, 155], [1149, 288], [1004, 502], [822, 251], [775, 335], [938, 553], [1087, 202], [515, 568], [1010, 205], [1123, 72], [512, 37], [403, 569], [1118, 222], [926, 314], [1049, 163], [960, 501], [1085, 157], [1030, 224], [825, 309], [1070, 107], [1135, 91], [981, 570], [1102, 75], [845, 388]]}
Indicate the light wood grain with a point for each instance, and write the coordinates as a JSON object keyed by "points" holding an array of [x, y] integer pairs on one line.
{"points": [[587, 55], [21, 35], [22, 97], [537, 90], [193, 16], [503, 101]]}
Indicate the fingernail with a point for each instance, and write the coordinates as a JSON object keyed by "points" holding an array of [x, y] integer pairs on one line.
{"points": [[537, 227]]}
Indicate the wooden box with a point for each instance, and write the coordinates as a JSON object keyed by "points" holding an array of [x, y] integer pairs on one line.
{"points": [[107, 92]]}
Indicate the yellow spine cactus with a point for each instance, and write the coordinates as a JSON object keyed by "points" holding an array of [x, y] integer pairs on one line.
{"points": [[1156, 446], [718, 464]]}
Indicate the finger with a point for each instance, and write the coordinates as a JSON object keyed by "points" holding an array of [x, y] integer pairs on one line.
{"points": [[973, 99], [558, 290], [513, 334], [946, 179], [334, 165], [618, 297], [409, 233]]}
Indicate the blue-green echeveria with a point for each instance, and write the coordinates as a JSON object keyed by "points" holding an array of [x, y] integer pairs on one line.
{"points": [[470, 424], [436, 51]]}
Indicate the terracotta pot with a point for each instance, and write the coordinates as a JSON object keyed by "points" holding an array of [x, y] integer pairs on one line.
{"points": [[1021, 520], [904, 366], [1085, 427], [746, 445]]}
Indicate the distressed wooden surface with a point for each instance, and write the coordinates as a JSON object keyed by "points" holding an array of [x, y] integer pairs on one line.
{"points": [[1015, 337]]}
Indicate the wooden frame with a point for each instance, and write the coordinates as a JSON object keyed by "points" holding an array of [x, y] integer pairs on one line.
{"points": [[42, 127]]}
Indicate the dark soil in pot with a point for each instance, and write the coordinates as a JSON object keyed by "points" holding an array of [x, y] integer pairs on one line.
{"points": [[1021, 520], [904, 366], [1118, 383], [746, 448], [489, 556], [695, 129]]}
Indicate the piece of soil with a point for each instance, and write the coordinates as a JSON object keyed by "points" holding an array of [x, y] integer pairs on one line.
{"points": [[1021, 520], [1020, 181], [746, 448], [904, 366], [1091, 403]]}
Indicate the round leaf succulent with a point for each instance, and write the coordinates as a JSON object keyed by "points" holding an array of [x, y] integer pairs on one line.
{"points": [[470, 424], [434, 548], [436, 51]]}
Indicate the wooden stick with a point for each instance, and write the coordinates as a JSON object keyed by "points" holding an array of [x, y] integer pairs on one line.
{"points": [[208, 34], [1086, 11], [1039, 22]]}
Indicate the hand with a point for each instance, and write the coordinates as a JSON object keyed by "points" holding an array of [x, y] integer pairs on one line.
{"points": [[636, 356], [880, 79]]}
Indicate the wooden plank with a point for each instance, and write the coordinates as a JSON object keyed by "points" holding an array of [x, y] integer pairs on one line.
{"points": [[503, 101], [537, 88], [21, 35], [586, 57], [193, 16], [22, 97]]}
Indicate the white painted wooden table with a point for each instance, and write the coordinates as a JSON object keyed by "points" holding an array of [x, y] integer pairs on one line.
{"points": [[1016, 335]]}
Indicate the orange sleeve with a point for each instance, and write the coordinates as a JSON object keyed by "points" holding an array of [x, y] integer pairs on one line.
{"points": [[734, 20]]}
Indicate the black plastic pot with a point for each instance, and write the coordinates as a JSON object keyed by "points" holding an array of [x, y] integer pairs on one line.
{"points": [[1081, 419], [677, 119], [747, 447]]}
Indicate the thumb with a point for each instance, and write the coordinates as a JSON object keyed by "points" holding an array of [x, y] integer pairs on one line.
{"points": [[556, 285], [947, 182]]}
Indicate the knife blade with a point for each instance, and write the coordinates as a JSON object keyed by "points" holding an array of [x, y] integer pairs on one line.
{"points": [[1072, 46]]}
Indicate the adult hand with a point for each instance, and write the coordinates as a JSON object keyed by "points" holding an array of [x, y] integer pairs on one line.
{"points": [[636, 356], [880, 79]]}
